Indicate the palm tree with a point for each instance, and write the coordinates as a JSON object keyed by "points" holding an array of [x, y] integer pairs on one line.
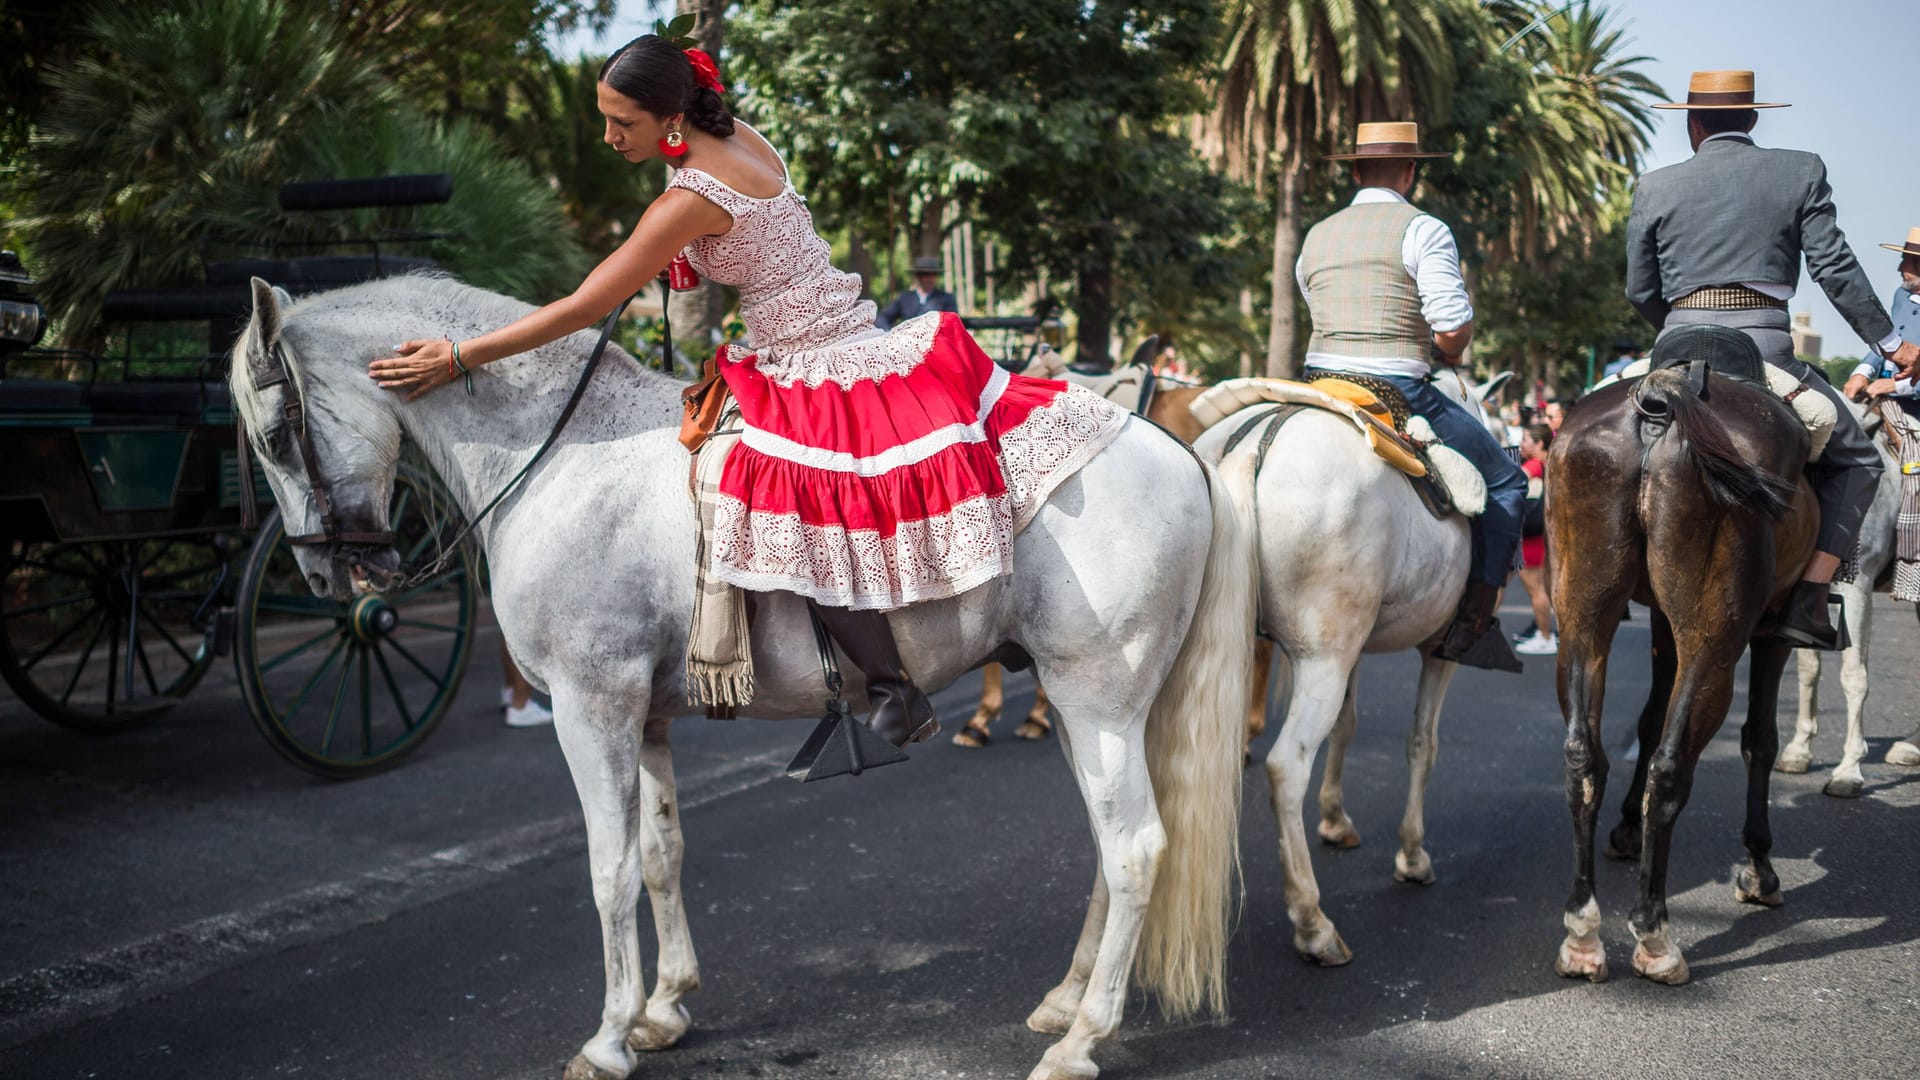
{"points": [[1296, 76], [1591, 116]]}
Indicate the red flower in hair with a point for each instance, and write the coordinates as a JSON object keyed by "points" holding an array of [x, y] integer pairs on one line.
{"points": [[705, 72]]}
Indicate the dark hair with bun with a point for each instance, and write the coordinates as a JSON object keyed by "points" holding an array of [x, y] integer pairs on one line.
{"points": [[657, 75]]}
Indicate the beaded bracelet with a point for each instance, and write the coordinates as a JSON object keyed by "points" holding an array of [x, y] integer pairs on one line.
{"points": [[453, 364]]}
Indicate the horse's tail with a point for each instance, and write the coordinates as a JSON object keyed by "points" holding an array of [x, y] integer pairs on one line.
{"points": [[1666, 398], [1195, 734]]}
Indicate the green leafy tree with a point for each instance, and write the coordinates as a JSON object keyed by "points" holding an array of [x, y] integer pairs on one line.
{"points": [[1045, 129]]}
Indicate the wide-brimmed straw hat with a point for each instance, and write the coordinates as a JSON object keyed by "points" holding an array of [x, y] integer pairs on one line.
{"points": [[1393, 140], [1911, 247], [1721, 90]]}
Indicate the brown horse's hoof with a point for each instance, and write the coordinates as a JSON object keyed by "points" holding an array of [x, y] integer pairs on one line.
{"points": [[1747, 890], [651, 1034], [1668, 968], [1577, 961], [1845, 789], [971, 737], [1340, 834], [1323, 950], [1033, 730]]}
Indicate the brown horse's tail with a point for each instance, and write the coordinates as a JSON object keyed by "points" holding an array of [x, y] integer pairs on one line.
{"points": [[1667, 402]]}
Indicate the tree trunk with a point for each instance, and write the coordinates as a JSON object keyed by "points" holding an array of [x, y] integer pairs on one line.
{"points": [[698, 313], [1283, 360], [1094, 304], [860, 261], [930, 230]]}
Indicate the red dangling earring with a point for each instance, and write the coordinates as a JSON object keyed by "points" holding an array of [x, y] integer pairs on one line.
{"points": [[674, 145]]}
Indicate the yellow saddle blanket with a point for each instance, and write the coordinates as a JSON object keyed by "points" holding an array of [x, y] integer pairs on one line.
{"points": [[1356, 403]]}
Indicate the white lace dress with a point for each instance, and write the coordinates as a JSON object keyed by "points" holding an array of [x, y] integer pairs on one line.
{"points": [[877, 468]]}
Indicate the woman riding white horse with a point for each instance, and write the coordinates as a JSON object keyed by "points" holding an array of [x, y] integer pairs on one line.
{"points": [[592, 556]]}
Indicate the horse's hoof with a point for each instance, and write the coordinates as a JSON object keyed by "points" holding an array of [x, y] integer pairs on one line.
{"points": [[1417, 870], [1032, 731], [1903, 753], [1848, 788], [1325, 949], [1623, 845], [582, 1069], [972, 738], [1794, 762], [1748, 889], [1062, 1068], [1668, 969], [1582, 961], [1340, 834], [651, 1033], [1050, 1019]]}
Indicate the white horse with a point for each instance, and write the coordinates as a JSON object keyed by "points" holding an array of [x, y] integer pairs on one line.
{"points": [[1132, 594], [1351, 562], [1875, 554]]}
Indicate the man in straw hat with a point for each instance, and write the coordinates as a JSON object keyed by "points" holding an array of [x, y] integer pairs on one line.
{"points": [[1879, 376], [1718, 239], [1383, 284]]}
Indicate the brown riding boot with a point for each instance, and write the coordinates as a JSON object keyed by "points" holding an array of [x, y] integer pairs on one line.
{"points": [[901, 713], [1475, 639]]}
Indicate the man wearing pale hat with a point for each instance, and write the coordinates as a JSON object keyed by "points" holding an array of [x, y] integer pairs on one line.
{"points": [[1718, 239], [1879, 377], [926, 295], [1384, 287]]}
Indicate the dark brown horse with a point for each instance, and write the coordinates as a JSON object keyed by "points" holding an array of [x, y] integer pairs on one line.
{"points": [[1697, 508]]}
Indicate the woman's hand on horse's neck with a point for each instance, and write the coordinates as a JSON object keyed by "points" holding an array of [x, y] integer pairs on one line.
{"points": [[677, 218]]}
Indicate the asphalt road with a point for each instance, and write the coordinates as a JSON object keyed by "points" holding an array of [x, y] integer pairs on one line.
{"points": [[179, 903]]}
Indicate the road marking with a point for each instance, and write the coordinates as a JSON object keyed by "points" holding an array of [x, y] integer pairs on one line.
{"points": [[61, 995]]}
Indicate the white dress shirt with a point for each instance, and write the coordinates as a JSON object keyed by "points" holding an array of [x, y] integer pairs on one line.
{"points": [[1433, 261], [1775, 289]]}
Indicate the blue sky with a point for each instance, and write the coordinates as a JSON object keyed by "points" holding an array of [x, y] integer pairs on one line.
{"points": [[1846, 66]]}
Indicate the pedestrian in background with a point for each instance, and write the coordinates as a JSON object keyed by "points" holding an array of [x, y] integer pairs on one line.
{"points": [[1533, 543], [926, 295]]}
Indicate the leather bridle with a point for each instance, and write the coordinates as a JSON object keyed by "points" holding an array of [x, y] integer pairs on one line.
{"points": [[294, 414]]}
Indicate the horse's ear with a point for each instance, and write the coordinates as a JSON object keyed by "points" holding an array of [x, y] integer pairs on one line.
{"points": [[1492, 386], [263, 368], [1150, 348]]}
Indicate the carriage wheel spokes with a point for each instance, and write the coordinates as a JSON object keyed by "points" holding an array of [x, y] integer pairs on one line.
{"points": [[79, 623], [400, 656]]}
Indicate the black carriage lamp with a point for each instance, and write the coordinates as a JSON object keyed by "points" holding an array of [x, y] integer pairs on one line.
{"points": [[22, 320]]}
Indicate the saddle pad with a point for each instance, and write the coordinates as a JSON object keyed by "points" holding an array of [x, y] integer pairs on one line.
{"points": [[1331, 395], [1811, 406]]}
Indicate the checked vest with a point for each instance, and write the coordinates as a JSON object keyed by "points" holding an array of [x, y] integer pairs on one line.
{"points": [[1363, 301]]}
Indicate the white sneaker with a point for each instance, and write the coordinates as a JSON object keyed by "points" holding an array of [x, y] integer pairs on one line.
{"points": [[532, 714], [1538, 645], [506, 698]]}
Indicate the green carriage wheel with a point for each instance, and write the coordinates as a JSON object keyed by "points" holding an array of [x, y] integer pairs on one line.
{"points": [[101, 636], [348, 689]]}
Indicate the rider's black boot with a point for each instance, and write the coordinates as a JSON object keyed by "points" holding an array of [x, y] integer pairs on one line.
{"points": [[901, 713], [1805, 624], [1475, 639]]}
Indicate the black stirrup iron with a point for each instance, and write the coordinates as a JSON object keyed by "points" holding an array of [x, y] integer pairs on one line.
{"points": [[840, 744]]}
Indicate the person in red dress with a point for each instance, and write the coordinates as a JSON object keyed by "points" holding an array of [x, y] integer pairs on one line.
{"points": [[876, 469], [1533, 543]]}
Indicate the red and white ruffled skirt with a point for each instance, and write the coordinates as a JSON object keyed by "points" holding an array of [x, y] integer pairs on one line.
{"points": [[894, 468]]}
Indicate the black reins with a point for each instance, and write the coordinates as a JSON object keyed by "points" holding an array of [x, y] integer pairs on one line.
{"points": [[294, 413]]}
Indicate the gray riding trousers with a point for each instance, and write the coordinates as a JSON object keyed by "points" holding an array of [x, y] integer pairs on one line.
{"points": [[1847, 475]]}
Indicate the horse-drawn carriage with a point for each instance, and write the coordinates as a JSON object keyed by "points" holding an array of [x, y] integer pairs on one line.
{"points": [[126, 569]]}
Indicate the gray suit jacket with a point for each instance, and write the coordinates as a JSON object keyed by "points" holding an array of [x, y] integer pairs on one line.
{"points": [[1737, 212]]}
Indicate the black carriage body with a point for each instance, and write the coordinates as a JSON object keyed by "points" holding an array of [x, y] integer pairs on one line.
{"points": [[116, 460]]}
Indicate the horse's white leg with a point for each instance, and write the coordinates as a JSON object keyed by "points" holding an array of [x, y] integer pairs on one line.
{"points": [[1410, 863], [1797, 755], [1056, 1011], [1336, 828], [600, 737], [1847, 780], [677, 972], [1112, 770], [1319, 687]]}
